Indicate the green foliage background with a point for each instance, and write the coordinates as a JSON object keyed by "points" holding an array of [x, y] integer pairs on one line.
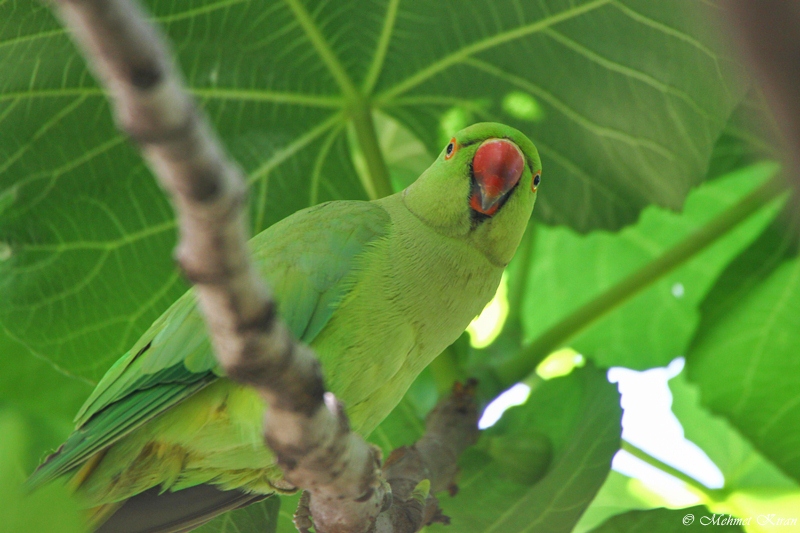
{"points": [[648, 136]]}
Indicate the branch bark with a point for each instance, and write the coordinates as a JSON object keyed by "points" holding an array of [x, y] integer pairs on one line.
{"points": [[768, 38], [305, 426]]}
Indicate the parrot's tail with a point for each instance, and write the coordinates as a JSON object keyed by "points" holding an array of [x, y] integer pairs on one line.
{"points": [[175, 512]]}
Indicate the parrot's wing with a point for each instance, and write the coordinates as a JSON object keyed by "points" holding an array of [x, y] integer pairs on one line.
{"points": [[154, 511], [307, 259]]}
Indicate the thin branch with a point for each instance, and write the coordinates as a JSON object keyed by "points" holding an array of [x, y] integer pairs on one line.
{"points": [[379, 183], [305, 426], [449, 430], [711, 494]]}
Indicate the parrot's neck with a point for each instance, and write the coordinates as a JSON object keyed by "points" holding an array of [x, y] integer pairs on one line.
{"points": [[497, 242]]}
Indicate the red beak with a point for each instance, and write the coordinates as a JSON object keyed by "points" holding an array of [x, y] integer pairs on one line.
{"points": [[496, 167]]}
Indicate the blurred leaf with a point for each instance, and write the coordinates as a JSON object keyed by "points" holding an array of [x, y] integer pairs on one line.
{"points": [[49, 510], [753, 486], [524, 460], [778, 243], [43, 393], [580, 415], [567, 270], [406, 423], [405, 154], [748, 137], [666, 521], [261, 517], [741, 465], [615, 497], [744, 357], [770, 509], [286, 514], [86, 235]]}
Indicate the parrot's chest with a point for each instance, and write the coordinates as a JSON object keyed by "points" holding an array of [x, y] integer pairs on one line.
{"points": [[420, 293], [449, 288]]}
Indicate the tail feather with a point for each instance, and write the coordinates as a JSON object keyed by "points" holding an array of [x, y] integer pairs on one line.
{"points": [[175, 512]]}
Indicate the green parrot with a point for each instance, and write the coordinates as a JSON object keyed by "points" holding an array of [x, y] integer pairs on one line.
{"points": [[378, 289]]}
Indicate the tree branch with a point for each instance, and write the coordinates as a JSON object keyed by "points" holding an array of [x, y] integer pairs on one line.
{"points": [[768, 38], [450, 429], [305, 426]]}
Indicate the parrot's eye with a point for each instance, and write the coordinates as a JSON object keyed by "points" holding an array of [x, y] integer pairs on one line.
{"points": [[536, 179], [451, 149]]}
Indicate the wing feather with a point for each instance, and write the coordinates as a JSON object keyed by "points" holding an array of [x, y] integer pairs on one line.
{"points": [[307, 258]]}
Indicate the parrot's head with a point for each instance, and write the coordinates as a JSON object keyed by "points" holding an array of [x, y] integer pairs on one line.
{"points": [[481, 189]]}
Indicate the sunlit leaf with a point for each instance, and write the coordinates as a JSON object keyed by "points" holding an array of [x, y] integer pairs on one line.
{"points": [[614, 497], [741, 465], [568, 270], [754, 487], [47, 510], [744, 358]]}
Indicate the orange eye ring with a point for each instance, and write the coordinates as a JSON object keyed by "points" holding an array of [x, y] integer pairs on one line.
{"points": [[451, 149], [537, 178]]}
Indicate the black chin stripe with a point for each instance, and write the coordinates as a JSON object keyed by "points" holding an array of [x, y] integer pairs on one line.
{"points": [[477, 218]]}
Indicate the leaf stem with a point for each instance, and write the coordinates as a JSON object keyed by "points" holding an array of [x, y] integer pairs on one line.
{"points": [[383, 46], [518, 285], [557, 335], [324, 50], [711, 494], [379, 184]]}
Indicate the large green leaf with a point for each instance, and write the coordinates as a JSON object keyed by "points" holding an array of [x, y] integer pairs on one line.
{"points": [[621, 121], [406, 423], [85, 234], [744, 358], [580, 415], [48, 510], [614, 497], [690, 519], [37, 387], [567, 270], [46, 395], [741, 465], [749, 136], [88, 233], [754, 488]]}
